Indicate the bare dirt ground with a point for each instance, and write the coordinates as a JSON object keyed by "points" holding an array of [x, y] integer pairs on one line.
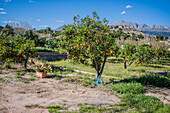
{"points": [[51, 92]]}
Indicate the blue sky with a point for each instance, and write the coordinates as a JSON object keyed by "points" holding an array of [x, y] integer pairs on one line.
{"points": [[54, 13]]}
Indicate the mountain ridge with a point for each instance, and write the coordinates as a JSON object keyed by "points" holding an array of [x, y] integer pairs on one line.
{"points": [[141, 27]]}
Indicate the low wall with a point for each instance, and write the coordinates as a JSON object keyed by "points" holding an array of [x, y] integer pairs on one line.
{"points": [[51, 55]]}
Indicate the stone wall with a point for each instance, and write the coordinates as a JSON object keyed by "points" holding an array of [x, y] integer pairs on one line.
{"points": [[51, 55]]}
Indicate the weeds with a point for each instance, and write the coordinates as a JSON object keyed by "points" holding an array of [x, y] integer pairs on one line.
{"points": [[132, 88], [142, 102]]}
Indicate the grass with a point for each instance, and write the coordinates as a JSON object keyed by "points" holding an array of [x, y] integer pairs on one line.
{"points": [[2, 80], [142, 102], [85, 80], [25, 80], [152, 79], [160, 92], [114, 69], [132, 88], [33, 106], [45, 49]]}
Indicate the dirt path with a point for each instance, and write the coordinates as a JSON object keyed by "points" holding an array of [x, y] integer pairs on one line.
{"points": [[52, 92]]}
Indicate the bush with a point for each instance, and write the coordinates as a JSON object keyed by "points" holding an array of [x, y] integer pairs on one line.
{"points": [[155, 80], [133, 88], [146, 103], [164, 109], [7, 65]]}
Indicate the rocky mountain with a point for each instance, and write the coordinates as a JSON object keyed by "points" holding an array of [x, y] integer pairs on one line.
{"points": [[150, 30], [59, 28], [141, 27]]}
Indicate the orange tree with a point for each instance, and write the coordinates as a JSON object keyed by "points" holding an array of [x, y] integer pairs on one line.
{"points": [[16, 49], [127, 53], [88, 39], [144, 54]]}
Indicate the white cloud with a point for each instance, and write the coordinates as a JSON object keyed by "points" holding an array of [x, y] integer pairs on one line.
{"points": [[38, 20], [43, 26], [10, 22], [3, 12], [1, 9], [7, 0], [59, 21], [128, 6], [123, 12]]}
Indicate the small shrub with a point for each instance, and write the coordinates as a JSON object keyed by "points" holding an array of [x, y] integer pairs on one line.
{"points": [[155, 80], [146, 103], [87, 109], [30, 106], [2, 80], [55, 108], [133, 88], [164, 109], [7, 65]]}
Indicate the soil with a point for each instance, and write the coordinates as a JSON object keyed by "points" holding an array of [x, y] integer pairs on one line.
{"points": [[50, 92], [15, 95]]}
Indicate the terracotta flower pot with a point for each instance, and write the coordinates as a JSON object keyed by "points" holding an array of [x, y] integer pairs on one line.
{"points": [[40, 74]]}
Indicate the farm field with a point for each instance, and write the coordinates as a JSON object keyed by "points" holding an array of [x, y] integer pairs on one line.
{"points": [[24, 92]]}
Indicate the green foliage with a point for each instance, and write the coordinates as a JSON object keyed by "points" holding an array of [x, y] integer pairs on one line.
{"points": [[87, 109], [30, 35], [142, 102], [164, 109], [57, 33], [7, 65], [52, 43], [88, 38], [84, 80], [45, 49], [55, 108], [153, 79], [144, 54], [16, 49], [30, 106], [132, 88], [43, 68], [159, 37], [127, 53], [8, 29]]}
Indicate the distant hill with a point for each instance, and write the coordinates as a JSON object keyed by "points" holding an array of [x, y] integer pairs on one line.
{"points": [[59, 28], [151, 30], [1, 28]]}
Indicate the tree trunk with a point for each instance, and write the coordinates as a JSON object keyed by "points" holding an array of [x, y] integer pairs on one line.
{"points": [[97, 68], [125, 66], [99, 72], [25, 64]]}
